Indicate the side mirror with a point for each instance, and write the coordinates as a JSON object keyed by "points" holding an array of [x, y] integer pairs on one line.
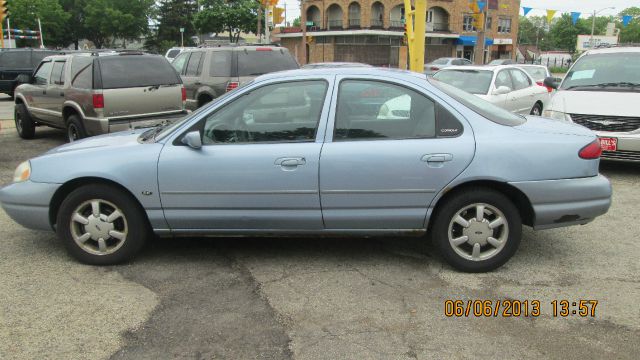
{"points": [[23, 79], [552, 82], [193, 139], [502, 90]]}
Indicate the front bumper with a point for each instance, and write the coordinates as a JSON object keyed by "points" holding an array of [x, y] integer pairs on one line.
{"points": [[566, 202], [27, 203], [628, 147]]}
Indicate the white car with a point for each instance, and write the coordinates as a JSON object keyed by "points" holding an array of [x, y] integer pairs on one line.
{"points": [[175, 51], [441, 63], [538, 72], [506, 86], [602, 92]]}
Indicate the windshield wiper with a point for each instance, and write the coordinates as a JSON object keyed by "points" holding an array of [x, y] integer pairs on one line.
{"points": [[604, 85]]}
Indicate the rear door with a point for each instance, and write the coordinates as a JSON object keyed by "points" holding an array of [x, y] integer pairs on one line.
{"points": [[524, 95], [191, 76], [218, 72], [139, 85], [390, 149], [503, 78]]}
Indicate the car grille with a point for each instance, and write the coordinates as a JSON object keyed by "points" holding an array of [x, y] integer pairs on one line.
{"points": [[607, 123], [621, 155]]}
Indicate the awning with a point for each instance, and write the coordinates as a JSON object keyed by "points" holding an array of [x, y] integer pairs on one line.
{"points": [[469, 40]]}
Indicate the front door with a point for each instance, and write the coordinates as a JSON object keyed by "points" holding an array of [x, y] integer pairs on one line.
{"points": [[523, 96], [390, 150], [37, 90], [258, 166]]}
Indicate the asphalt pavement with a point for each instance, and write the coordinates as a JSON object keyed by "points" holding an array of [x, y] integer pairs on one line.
{"points": [[311, 298]]}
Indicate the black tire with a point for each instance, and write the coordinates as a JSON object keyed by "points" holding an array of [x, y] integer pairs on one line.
{"points": [[25, 126], [444, 222], [75, 129], [536, 110], [133, 223], [203, 100]]}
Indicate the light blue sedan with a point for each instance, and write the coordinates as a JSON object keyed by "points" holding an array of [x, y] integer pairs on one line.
{"points": [[356, 151]]}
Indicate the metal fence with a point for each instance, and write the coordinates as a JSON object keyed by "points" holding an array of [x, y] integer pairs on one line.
{"points": [[563, 63]]}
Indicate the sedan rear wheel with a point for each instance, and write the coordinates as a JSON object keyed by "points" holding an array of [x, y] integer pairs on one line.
{"points": [[477, 230], [101, 225], [536, 110]]}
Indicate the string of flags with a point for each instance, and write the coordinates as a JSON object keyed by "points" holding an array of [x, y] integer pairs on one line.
{"points": [[575, 15]]}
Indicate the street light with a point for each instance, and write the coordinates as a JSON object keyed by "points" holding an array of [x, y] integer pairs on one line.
{"points": [[593, 22]]}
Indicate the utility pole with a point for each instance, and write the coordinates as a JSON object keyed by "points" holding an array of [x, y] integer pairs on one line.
{"points": [[41, 36], [303, 23], [480, 39], [267, 34], [260, 23], [9, 32]]}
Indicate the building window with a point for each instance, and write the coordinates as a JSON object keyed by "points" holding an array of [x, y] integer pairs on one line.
{"points": [[489, 23], [467, 24], [504, 25]]}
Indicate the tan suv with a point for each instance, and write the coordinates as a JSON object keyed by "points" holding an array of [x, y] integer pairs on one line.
{"points": [[96, 93]]}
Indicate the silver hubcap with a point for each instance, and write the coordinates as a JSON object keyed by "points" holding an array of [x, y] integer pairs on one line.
{"points": [[73, 133], [536, 111], [18, 122], [478, 232], [98, 227]]}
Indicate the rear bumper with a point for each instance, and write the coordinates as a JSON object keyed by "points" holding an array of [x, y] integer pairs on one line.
{"points": [[27, 203], [99, 126], [566, 202]]}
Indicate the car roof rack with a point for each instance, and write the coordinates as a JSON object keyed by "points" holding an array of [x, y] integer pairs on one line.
{"points": [[236, 45]]}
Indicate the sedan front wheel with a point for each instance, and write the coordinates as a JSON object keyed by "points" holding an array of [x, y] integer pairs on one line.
{"points": [[101, 225], [477, 230]]}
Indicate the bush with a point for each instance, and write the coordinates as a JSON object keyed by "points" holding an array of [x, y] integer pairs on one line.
{"points": [[558, 70]]}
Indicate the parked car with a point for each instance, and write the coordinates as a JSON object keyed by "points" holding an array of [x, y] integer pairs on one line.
{"points": [[441, 63], [210, 72], [501, 62], [16, 62], [538, 73], [175, 51], [506, 86], [602, 91], [97, 93], [308, 152], [333, 65]]}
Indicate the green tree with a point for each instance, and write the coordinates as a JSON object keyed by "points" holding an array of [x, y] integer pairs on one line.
{"points": [[171, 16], [107, 20], [25, 14], [232, 16], [296, 22], [76, 30], [563, 35], [631, 32]]}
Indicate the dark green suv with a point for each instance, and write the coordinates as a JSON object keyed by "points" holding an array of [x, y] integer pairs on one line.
{"points": [[210, 72]]}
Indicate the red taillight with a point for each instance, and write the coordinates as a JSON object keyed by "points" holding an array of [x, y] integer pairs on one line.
{"points": [[98, 101], [433, 68], [540, 83], [184, 94], [263, 49], [591, 151], [232, 85]]}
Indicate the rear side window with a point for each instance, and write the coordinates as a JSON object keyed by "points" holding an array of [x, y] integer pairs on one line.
{"points": [[37, 56], [126, 71], [57, 73], [17, 59], [258, 62], [172, 53], [220, 63], [82, 73], [193, 67]]}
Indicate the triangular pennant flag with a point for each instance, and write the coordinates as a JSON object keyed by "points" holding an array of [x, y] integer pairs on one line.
{"points": [[526, 10], [574, 17], [626, 20], [550, 14], [481, 5]]}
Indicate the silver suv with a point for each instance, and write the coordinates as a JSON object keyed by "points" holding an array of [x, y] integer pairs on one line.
{"points": [[96, 93], [210, 72]]}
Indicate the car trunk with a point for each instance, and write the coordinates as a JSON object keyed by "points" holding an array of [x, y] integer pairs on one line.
{"points": [[139, 86]]}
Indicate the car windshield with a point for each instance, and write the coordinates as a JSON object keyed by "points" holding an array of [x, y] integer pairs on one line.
{"points": [[537, 73], [605, 72], [480, 106], [167, 129], [441, 61], [473, 81]]}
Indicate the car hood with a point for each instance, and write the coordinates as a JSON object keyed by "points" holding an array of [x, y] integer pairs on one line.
{"points": [[540, 125], [596, 102], [123, 138]]}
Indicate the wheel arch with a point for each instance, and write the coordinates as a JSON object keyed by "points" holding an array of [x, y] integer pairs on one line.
{"points": [[202, 95], [69, 186], [517, 197], [68, 110]]}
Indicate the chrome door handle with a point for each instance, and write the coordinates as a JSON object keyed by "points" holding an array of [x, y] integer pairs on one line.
{"points": [[290, 161], [437, 158]]}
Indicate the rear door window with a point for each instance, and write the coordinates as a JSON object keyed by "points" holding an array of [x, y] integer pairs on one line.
{"points": [[220, 64], [172, 53], [82, 72], [258, 62], [504, 79], [17, 59], [193, 67], [520, 79], [57, 73], [126, 71]]}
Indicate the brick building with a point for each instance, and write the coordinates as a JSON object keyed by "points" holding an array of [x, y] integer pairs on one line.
{"points": [[372, 31]]}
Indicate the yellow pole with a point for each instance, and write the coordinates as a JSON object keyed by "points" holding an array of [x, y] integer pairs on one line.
{"points": [[2, 32], [416, 23]]}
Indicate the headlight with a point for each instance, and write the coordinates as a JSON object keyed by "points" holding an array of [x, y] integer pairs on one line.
{"points": [[556, 115], [23, 172]]}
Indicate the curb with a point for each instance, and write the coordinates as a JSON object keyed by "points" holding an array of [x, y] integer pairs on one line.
{"points": [[7, 124]]}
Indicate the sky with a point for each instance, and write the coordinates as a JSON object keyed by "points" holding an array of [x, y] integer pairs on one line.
{"points": [[539, 6]]}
